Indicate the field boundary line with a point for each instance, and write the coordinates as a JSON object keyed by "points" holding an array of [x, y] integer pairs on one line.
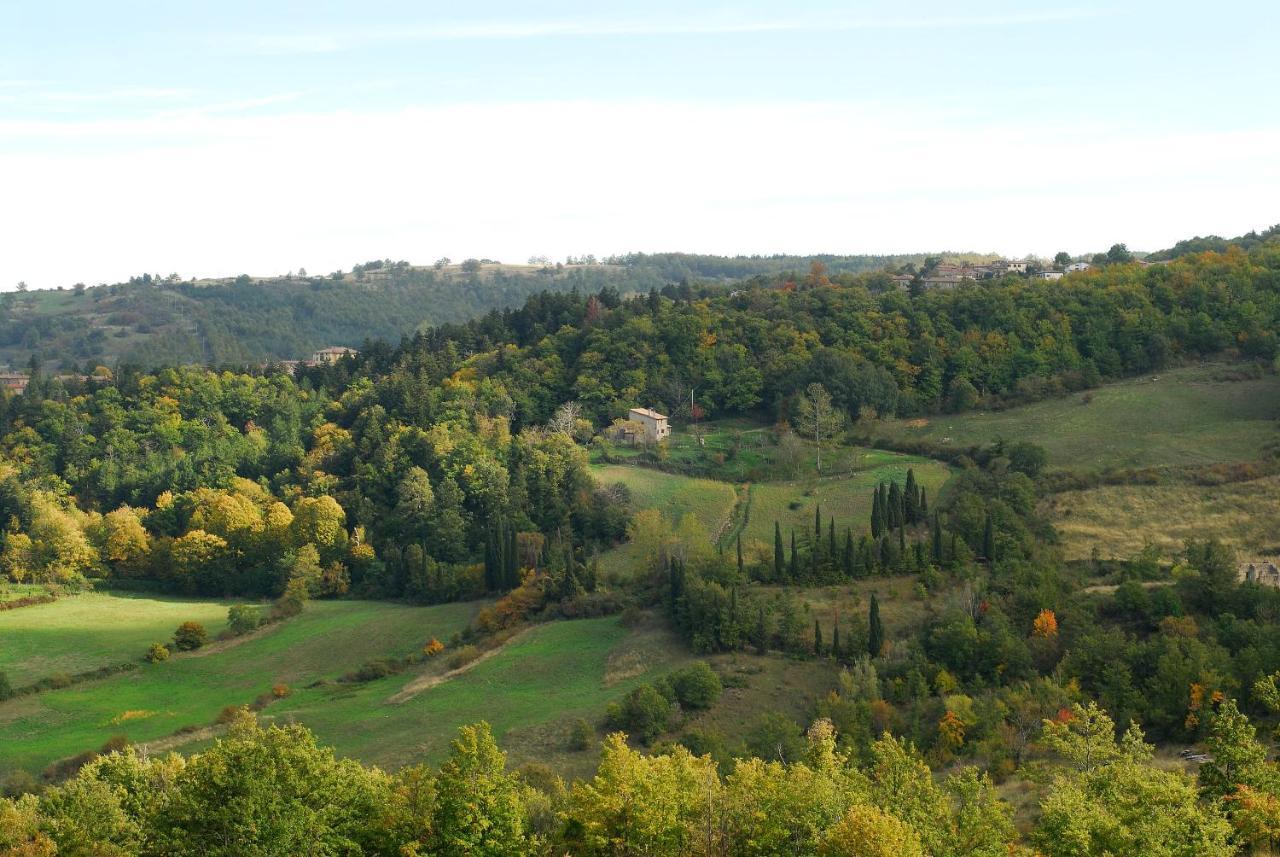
{"points": [[426, 682]]}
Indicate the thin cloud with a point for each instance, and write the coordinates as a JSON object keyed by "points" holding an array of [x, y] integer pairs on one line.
{"points": [[319, 42]]}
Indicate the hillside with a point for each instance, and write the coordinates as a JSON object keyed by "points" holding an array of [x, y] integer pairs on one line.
{"points": [[165, 321]]}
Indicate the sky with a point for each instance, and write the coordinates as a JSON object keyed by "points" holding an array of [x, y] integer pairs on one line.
{"points": [[249, 136]]}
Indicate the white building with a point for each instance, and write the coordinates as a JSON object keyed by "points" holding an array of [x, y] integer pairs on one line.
{"points": [[1077, 266], [1050, 275], [655, 424]]}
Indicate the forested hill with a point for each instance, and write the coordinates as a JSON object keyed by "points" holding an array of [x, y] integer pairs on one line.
{"points": [[165, 320]]}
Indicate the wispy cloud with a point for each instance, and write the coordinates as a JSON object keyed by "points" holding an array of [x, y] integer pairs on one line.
{"points": [[332, 42]]}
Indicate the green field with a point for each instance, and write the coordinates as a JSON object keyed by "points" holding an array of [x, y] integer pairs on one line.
{"points": [[329, 639], [1119, 519], [847, 498], [82, 632], [708, 500], [528, 692], [1182, 417]]}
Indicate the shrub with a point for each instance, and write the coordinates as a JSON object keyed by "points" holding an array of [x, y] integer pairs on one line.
{"points": [[581, 735], [644, 712], [229, 713], [433, 648], [157, 653], [463, 656], [242, 618], [190, 636], [280, 691], [58, 681], [372, 671], [697, 685]]}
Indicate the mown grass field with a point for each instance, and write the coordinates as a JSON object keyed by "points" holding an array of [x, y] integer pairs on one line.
{"points": [[529, 693], [847, 497], [329, 639], [1188, 416], [1120, 519], [709, 500], [77, 633]]}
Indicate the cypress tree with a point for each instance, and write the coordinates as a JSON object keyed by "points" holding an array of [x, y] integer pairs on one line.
{"points": [[817, 638], [513, 557], [835, 639], [831, 541], [848, 554], [795, 562], [895, 506], [779, 557], [739, 540], [912, 500], [988, 541], [760, 634], [875, 631], [877, 515], [902, 541], [886, 555], [924, 504], [817, 521], [937, 540], [675, 583], [868, 557]]}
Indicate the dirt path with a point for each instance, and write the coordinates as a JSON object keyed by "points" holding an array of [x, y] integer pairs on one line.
{"points": [[426, 682], [170, 742]]}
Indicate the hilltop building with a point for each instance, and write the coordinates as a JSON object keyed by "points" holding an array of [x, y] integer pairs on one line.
{"points": [[330, 356]]}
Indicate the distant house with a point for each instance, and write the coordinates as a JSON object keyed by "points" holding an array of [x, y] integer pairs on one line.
{"points": [[14, 382], [1049, 275], [655, 424], [330, 356], [1077, 266], [943, 281], [1264, 572]]}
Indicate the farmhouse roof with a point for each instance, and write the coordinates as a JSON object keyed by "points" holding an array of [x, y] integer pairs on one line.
{"points": [[649, 412]]}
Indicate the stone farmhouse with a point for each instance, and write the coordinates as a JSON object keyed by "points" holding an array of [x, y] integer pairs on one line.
{"points": [[1264, 572]]}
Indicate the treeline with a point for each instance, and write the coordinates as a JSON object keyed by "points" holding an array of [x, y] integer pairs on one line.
{"points": [[876, 349], [274, 791]]}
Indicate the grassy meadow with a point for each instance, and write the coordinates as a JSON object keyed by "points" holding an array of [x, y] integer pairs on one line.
{"points": [[1187, 416], [529, 692], [1120, 519], [329, 639], [846, 497], [83, 632]]}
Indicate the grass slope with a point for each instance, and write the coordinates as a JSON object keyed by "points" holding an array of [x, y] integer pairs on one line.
{"points": [[528, 692], [83, 632], [327, 640], [1188, 416], [847, 497], [1119, 519]]}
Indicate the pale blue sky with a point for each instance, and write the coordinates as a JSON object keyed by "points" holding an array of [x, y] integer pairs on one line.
{"points": [[213, 138]]}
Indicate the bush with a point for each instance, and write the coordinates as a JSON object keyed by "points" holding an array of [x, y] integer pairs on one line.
{"points": [[433, 648], [372, 671], [644, 712], [241, 619], [697, 685], [190, 636], [6, 687], [582, 735], [280, 691], [157, 653], [463, 656]]}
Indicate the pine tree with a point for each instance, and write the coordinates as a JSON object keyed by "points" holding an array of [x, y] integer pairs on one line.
{"points": [[795, 562], [817, 638], [875, 631], [877, 515], [779, 557], [988, 541], [912, 499]]}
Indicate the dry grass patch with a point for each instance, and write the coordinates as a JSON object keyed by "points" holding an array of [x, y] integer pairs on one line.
{"points": [[1119, 520]]}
